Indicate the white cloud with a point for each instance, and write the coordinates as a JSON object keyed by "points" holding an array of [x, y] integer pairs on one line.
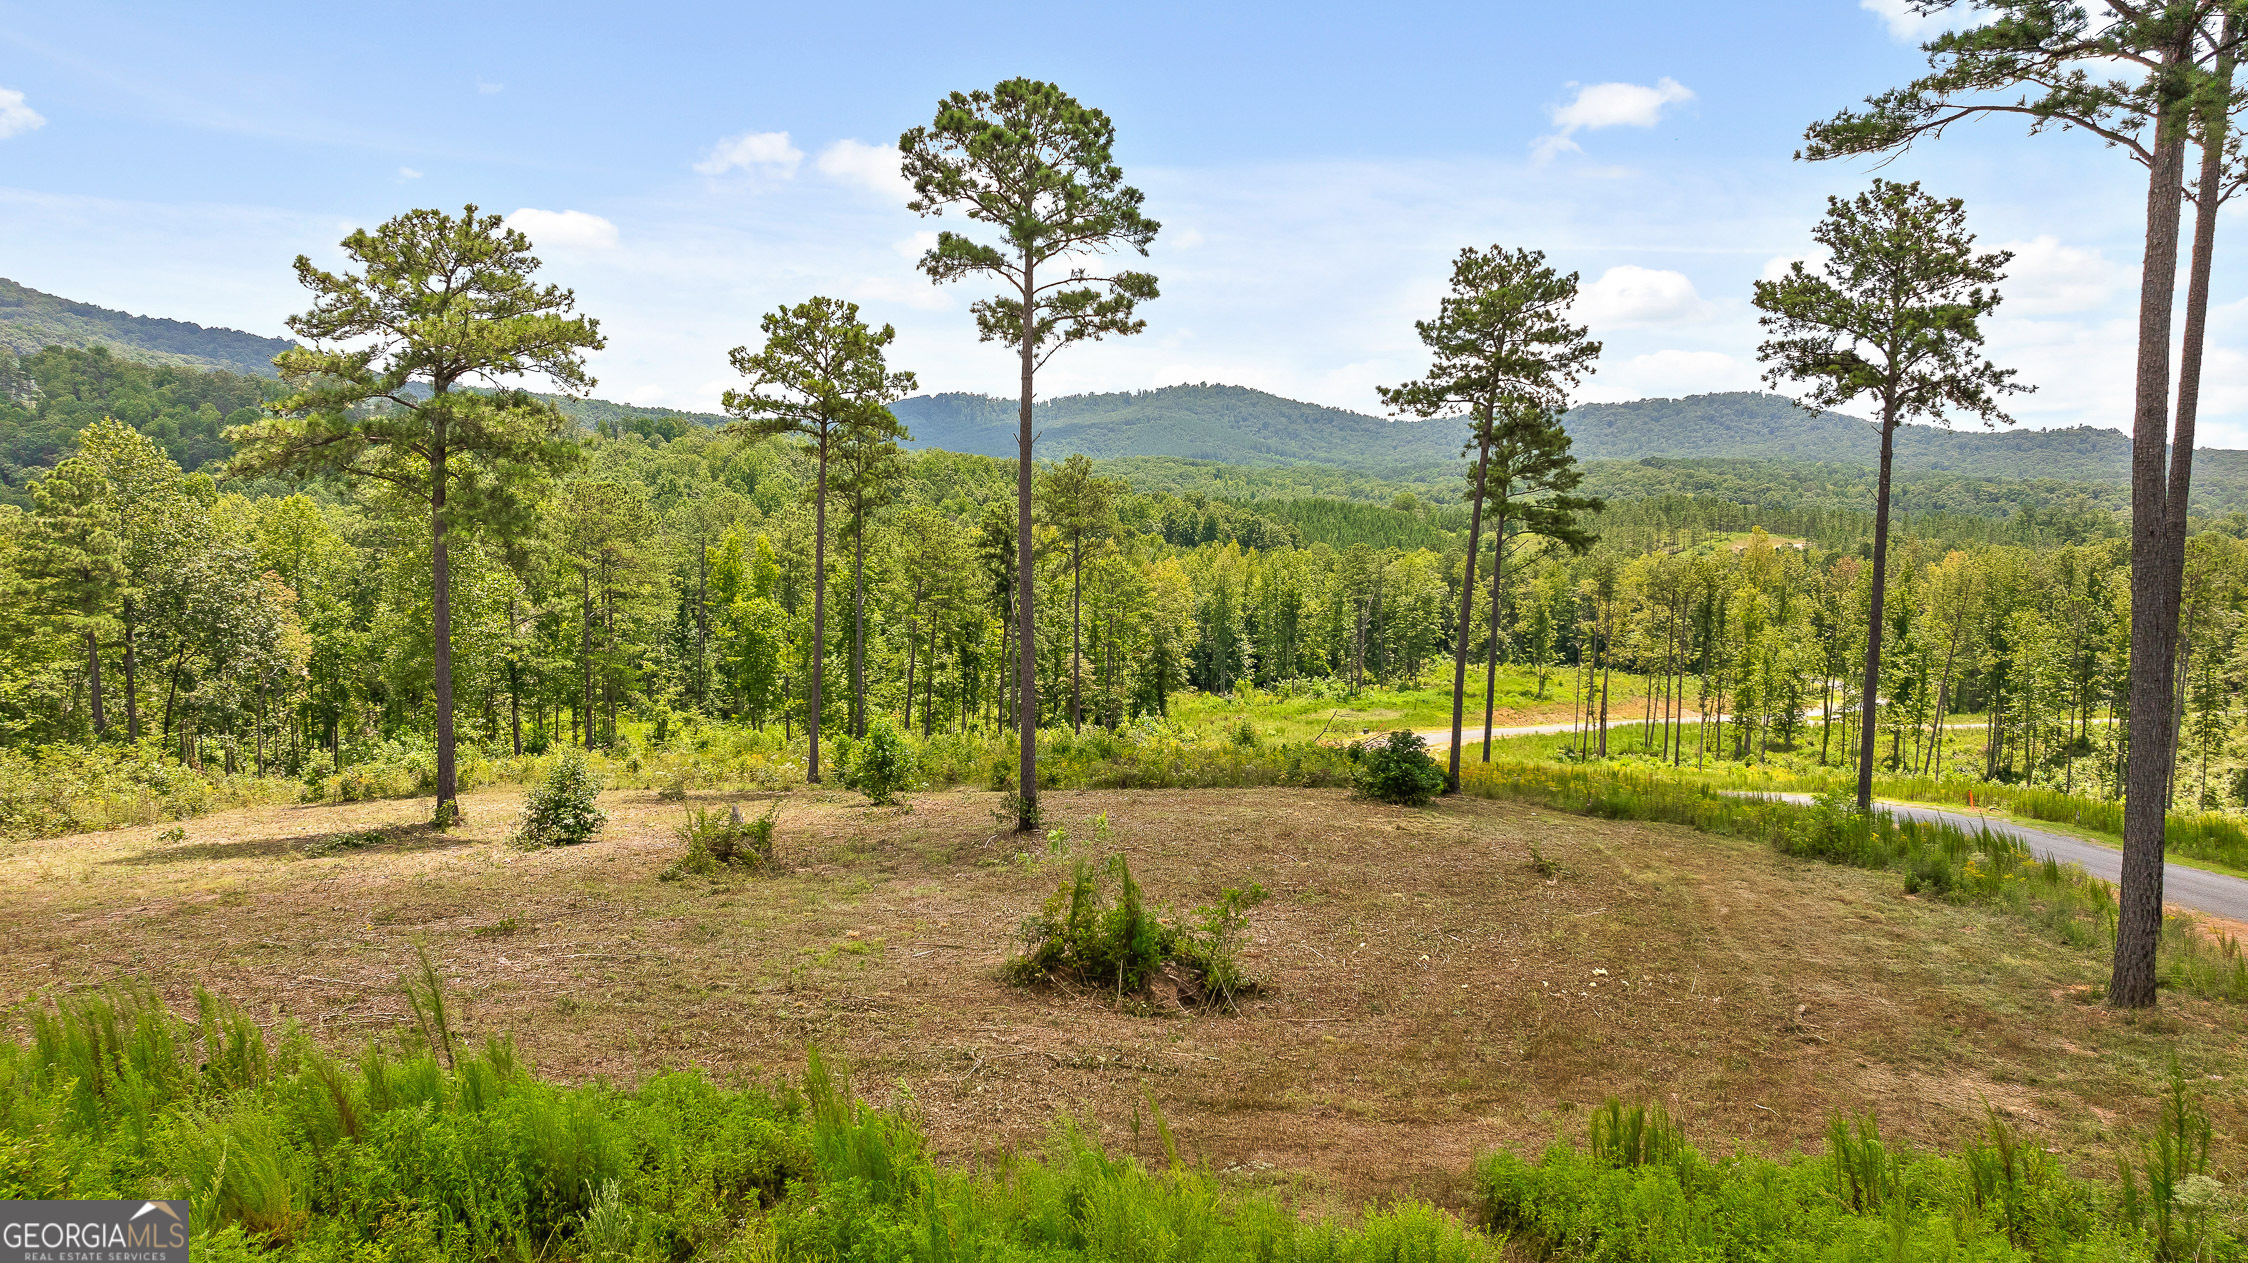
{"points": [[408, 173], [2047, 278], [17, 118], [872, 167], [1185, 239], [566, 229], [487, 88], [1600, 105], [1629, 295], [915, 246], [1672, 373], [1907, 24], [753, 151], [1776, 269]]}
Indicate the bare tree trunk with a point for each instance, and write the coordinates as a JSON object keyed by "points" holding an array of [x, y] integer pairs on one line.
{"points": [[585, 650], [858, 616], [1467, 599], [2154, 587], [1026, 652], [132, 698], [1076, 636], [1868, 730], [441, 635], [93, 678], [1498, 585], [819, 612]]}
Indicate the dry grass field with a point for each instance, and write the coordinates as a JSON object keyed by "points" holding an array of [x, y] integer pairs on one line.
{"points": [[1429, 993]]}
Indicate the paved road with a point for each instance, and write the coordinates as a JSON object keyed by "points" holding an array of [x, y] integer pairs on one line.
{"points": [[2213, 893]]}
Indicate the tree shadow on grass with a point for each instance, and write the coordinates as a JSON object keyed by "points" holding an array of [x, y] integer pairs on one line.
{"points": [[326, 844]]}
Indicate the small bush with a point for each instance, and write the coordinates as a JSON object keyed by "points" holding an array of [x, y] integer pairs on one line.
{"points": [[1398, 771], [358, 840], [563, 809], [716, 843], [881, 765], [1117, 943]]}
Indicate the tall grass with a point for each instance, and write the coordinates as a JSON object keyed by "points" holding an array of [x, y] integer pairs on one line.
{"points": [[1941, 860], [286, 1152], [1659, 1200]]}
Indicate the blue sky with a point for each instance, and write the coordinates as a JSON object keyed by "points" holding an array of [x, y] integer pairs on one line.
{"points": [[686, 167]]}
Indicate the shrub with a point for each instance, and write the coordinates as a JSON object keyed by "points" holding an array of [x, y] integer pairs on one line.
{"points": [[1398, 771], [716, 843], [1117, 943], [881, 765], [563, 808]]}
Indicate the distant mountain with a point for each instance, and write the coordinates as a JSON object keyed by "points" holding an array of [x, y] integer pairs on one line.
{"points": [[31, 320], [1242, 427], [1201, 422]]}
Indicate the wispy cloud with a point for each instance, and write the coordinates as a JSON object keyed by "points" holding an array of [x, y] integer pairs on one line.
{"points": [[17, 118], [1910, 21], [1602, 105], [769, 152], [408, 173], [486, 87]]}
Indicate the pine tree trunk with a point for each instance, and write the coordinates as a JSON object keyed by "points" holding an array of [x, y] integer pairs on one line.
{"points": [[1467, 598], [441, 634], [93, 679], [132, 698], [858, 616], [2154, 596], [585, 654], [1076, 636], [819, 611], [1026, 636], [1867, 728], [1498, 585]]}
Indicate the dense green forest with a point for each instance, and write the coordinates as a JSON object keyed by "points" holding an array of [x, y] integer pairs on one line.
{"points": [[671, 577]]}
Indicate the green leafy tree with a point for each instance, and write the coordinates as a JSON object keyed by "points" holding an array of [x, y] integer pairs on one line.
{"points": [[1894, 314], [1029, 160], [74, 554], [1081, 508], [148, 504], [1503, 349], [439, 303], [820, 375], [2169, 68]]}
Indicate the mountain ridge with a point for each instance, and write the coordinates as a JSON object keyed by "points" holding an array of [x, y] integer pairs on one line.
{"points": [[32, 320]]}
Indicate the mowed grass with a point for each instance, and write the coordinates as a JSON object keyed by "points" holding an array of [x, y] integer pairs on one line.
{"points": [[1429, 993]]}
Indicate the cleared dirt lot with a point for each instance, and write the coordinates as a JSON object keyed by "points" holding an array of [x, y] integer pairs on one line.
{"points": [[1428, 993]]}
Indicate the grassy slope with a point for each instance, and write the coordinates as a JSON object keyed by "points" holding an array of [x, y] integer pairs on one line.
{"points": [[1429, 995]]}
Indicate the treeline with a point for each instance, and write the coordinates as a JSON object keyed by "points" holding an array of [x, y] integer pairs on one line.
{"points": [[290, 633]]}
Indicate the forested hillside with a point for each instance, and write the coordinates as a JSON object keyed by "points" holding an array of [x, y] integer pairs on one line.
{"points": [[1232, 424], [1176, 428], [48, 396], [31, 320]]}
